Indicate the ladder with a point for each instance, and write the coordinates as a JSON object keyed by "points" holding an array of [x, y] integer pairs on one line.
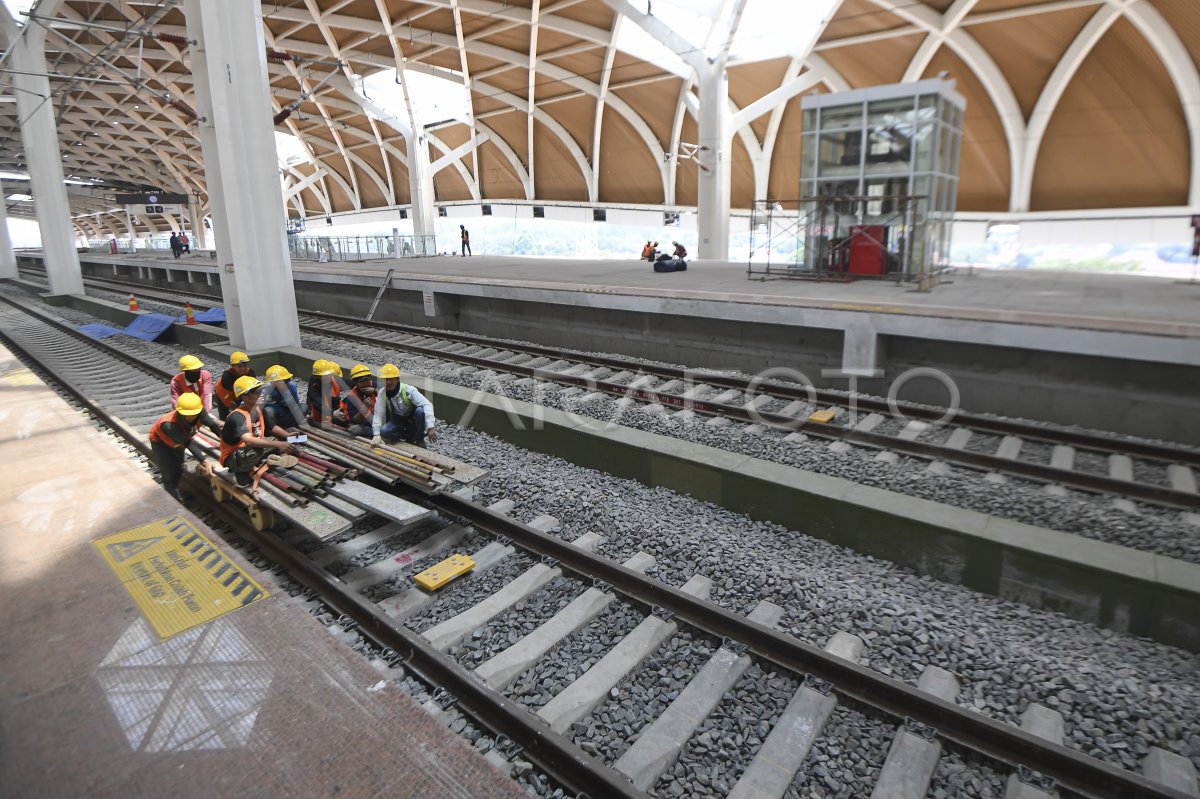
{"points": [[387, 281]]}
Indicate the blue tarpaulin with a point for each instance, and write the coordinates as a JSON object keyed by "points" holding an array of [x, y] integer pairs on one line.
{"points": [[149, 326], [211, 316], [98, 331]]}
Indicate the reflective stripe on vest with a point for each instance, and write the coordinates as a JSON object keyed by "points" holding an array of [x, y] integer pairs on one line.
{"points": [[157, 435], [224, 395], [256, 429]]}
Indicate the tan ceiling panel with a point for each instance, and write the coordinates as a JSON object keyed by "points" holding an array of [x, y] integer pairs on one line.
{"points": [[783, 184], [856, 17], [1119, 137], [453, 135], [576, 115], [1184, 17], [741, 193], [449, 186], [512, 128], [748, 82], [1027, 54], [598, 15], [556, 175], [984, 171], [626, 67], [988, 6], [654, 103], [876, 63], [515, 81], [551, 40], [587, 65], [497, 180], [628, 171], [939, 6], [515, 39]]}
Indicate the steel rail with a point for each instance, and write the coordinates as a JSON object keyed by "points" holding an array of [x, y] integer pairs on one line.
{"points": [[997, 740], [987, 424], [1084, 481], [551, 751]]}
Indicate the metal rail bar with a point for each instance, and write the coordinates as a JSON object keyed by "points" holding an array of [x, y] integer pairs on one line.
{"points": [[988, 424], [552, 752], [995, 739]]}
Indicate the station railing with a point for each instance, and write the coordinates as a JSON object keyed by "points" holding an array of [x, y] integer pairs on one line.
{"points": [[359, 248]]}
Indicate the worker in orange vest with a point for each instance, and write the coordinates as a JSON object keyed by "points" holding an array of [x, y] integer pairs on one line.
{"points": [[192, 378], [174, 432], [245, 449], [324, 388], [358, 406], [239, 366]]}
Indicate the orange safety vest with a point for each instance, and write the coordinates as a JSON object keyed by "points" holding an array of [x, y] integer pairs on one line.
{"points": [[224, 395], [256, 428], [160, 437]]}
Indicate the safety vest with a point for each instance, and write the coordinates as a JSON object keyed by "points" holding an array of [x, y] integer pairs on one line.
{"points": [[157, 434], [256, 429], [181, 385], [387, 401], [224, 395], [314, 398], [351, 408]]}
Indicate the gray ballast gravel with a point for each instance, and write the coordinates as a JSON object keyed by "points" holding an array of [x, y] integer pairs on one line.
{"points": [[1119, 695], [1154, 529]]}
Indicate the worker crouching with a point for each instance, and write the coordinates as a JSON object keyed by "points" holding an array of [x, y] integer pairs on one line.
{"points": [[175, 432], [358, 405], [245, 449], [323, 390], [280, 397], [239, 366], [401, 412]]}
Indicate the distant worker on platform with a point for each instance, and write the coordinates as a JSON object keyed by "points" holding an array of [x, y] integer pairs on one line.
{"points": [[281, 399], [466, 240], [323, 391], [358, 406], [245, 449], [648, 252], [185, 244], [401, 412], [176, 248], [680, 250], [173, 433], [192, 378], [239, 366]]}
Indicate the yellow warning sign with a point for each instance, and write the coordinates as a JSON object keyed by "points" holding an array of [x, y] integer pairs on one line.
{"points": [[176, 576]]}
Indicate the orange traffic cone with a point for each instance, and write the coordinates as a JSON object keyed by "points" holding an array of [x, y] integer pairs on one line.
{"points": [[191, 317], [133, 306]]}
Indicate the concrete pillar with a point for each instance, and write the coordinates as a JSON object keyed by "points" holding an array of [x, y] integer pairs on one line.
{"points": [[229, 69], [8, 260], [35, 111], [713, 184], [132, 232], [199, 234], [420, 189]]}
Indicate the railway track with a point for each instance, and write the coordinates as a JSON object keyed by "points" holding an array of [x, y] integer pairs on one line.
{"points": [[1129, 470], [348, 577]]}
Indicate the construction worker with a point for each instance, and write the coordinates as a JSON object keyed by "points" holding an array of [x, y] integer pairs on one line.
{"points": [[171, 435], [239, 366], [245, 449], [401, 412], [323, 387], [280, 397], [193, 378], [358, 406]]}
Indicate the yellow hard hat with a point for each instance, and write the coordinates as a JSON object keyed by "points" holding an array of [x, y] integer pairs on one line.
{"points": [[238, 357], [189, 404], [246, 384], [189, 362], [322, 367], [389, 370], [360, 370], [278, 372]]}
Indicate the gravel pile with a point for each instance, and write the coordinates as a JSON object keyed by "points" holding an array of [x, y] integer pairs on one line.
{"points": [[1154, 529]]}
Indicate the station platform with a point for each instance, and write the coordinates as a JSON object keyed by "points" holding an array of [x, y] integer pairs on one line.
{"points": [[259, 701], [1063, 347]]}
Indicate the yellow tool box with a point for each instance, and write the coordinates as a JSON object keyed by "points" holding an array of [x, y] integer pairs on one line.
{"points": [[823, 416], [439, 574]]}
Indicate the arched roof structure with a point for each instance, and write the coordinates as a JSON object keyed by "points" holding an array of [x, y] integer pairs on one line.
{"points": [[1072, 104]]}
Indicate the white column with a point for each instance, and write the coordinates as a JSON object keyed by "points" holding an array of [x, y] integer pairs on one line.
{"points": [[420, 189], [713, 189], [8, 261], [132, 232], [242, 172], [199, 236], [35, 110]]}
